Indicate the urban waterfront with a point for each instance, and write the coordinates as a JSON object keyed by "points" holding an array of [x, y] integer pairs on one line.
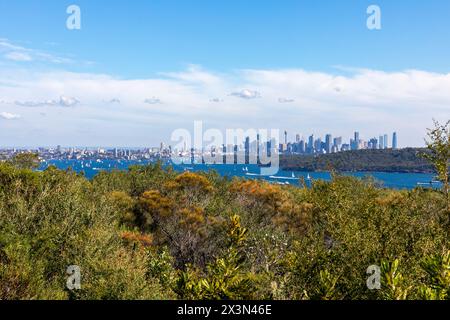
{"points": [[249, 171]]}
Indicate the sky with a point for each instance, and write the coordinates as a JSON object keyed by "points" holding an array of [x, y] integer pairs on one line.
{"points": [[138, 70]]}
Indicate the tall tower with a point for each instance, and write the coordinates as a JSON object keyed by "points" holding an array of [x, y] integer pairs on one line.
{"points": [[311, 144], [385, 140], [356, 141], [394, 140], [328, 143], [285, 137], [247, 150]]}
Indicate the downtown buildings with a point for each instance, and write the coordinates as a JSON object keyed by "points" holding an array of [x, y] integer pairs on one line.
{"points": [[315, 145]]}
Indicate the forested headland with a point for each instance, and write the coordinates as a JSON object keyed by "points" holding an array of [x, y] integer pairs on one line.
{"points": [[408, 160]]}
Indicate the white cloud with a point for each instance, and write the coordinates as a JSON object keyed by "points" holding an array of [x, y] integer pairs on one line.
{"points": [[68, 102], [62, 102], [19, 53], [246, 94], [18, 56], [9, 116], [370, 101], [285, 100], [114, 100], [153, 100]]}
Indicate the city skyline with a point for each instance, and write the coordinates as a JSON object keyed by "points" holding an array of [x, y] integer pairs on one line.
{"points": [[312, 145], [128, 77]]}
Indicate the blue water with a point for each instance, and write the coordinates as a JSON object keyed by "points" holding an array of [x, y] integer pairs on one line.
{"points": [[390, 180]]}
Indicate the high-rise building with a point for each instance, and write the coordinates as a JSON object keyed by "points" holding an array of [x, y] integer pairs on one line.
{"points": [[302, 148], [318, 145], [328, 145], [297, 138], [247, 150], [394, 140], [285, 137], [355, 144], [373, 143], [310, 148], [380, 142], [385, 140]]}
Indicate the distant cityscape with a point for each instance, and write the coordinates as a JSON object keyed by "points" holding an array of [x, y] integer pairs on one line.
{"points": [[301, 146], [332, 145]]}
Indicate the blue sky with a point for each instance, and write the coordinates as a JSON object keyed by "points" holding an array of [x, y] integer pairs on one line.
{"points": [[211, 50]]}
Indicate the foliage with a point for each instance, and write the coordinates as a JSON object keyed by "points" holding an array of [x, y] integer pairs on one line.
{"points": [[368, 160], [151, 233], [26, 161], [439, 153]]}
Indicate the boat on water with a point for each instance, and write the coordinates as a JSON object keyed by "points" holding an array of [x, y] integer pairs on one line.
{"points": [[252, 174], [431, 183], [283, 178]]}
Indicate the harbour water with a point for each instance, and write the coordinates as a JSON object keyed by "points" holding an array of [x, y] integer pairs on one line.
{"points": [[390, 180]]}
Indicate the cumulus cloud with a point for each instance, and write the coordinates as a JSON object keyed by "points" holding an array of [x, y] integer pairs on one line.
{"points": [[246, 94], [371, 101], [153, 100], [285, 100], [62, 102], [68, 102], [9, 116]]}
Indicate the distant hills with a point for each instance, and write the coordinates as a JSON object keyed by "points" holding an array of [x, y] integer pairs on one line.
{"points": [[406, 160]]}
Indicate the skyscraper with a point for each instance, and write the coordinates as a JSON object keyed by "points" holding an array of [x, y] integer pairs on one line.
{"points": [[310, 148], [328, 144], [394, 140], [337, 142], [247, 150], [355, 144], [385, 140], [318, 145], [302, 146], [380, 142]]}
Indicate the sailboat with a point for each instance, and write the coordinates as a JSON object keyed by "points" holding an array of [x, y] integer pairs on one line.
{"points": [[308, 177]]}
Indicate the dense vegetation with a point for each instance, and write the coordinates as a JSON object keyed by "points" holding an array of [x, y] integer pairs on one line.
{"points": [[152, 233], [387, 160]]}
